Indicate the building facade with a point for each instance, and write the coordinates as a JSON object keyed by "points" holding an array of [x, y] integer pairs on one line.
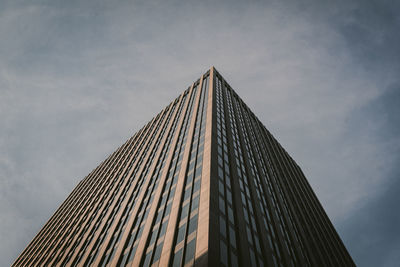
{"points": [[204, 183]]}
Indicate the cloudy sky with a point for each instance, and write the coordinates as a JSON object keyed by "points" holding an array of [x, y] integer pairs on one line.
{"points": [[77, 78]]}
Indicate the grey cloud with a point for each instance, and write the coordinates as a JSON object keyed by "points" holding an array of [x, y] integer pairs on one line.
{"points": [[372, 231]]}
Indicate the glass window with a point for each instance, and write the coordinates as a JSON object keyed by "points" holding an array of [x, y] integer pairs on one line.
{"points": [[190, 250], [157, 252], [234, 262], [230, 215], [168, 209], [221, 187], [257, 244], [189, 178], [185, 211], [147, 259], [198, 171], [232, 237], [227, 169], [132, 253], [228, 181], [178, 168], [220, 161], [181, 234], [195, 202], [226, 157], [159, 215], [168, 183], [220, 173], [243, 198], [123, 261], [191, 165], [192, 225], [252, 258], [229, 196], [221, 205], [199, 158], [153, 236], [172, 192], [163, 228], [224, 253], [196, 186], [177, 258], [201, 147], [140, 231], [188, 192], [249, 236], [222, 226]]}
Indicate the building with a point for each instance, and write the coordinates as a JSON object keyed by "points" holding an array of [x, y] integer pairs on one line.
{"points": [[203, 183]]}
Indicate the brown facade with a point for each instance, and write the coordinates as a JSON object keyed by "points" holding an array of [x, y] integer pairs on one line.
{"points": [[202, 184]]}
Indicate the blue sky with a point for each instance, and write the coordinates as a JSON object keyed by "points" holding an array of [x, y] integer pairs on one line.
{"points": [[77, 78]]}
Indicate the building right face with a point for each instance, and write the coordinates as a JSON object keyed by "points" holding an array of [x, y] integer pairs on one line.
{"points": [[262, 209], [203, 184]]}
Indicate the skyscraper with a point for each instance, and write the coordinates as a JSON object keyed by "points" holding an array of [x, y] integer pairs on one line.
{"points": [[204, 183]]}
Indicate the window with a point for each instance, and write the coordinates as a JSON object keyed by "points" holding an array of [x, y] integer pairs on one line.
{"points": [[196, 186], [168, 209], [195, 203], [190, 250], [229, 196], [192, 225], [222, 205], [177, 258], [163, 228], [221, 187], [234, 262], [147, 259], [223, 253], [222, 226], [230, 215], [181, 233], [185, 211], [232, 237], [157, 252]]}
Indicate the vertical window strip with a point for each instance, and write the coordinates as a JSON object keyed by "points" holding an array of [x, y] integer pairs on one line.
{"points": [[130, 247], [156, 175], [78, 218], [185, 240], [140, 180], [97, 203], [248, 211], [109, 201], [83, 188], [272, 180], [259, 189], [277, 246], [228, 246], [289, 240], [155, 242]]}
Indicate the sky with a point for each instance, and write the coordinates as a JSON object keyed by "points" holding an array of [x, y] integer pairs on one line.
{"points": [[78, 78]]}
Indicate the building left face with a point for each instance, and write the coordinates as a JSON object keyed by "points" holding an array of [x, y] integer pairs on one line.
{"points": [[131, 209]]}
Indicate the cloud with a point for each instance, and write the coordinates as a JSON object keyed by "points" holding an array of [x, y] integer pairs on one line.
{"points": [[78, 78]]}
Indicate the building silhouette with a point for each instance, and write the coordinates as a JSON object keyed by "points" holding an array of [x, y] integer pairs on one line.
{"points": [[204, 183]]}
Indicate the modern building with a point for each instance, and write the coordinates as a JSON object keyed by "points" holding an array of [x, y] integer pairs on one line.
{"points": [[204, 183]]}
